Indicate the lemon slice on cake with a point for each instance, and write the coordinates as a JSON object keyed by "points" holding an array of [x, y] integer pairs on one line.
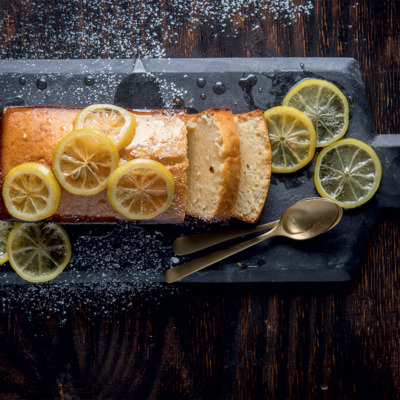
{"points": [[141, 189], [38, 252], [292, 137], [83, 161], [31, 192], [348, 172], [325, 105], [116, 122]]}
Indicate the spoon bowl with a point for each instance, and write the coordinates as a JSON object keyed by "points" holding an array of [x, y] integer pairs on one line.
{"points": [[309, 218]]}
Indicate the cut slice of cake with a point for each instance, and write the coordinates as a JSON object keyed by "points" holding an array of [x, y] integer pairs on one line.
{"points": [[256, 159], [214, 165]]}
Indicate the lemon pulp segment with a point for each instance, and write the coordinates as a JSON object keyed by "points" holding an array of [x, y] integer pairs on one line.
{"points": [[38, 252], [141, 189], [325, 105], [292, 137], [348, 172], [83, 161], [116, 122], [31, 192]]}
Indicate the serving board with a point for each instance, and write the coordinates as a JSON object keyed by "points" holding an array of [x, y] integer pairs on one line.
{"points": [[125, 252]]}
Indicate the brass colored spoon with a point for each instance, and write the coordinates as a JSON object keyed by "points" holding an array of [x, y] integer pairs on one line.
{"points": [[191, 243], [303, 220]]}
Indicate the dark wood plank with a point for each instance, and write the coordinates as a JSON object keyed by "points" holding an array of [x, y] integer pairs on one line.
{"points": [[298, 341]]}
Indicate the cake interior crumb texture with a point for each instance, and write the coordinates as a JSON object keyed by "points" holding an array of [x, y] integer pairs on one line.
{"points": [[214, 165], [255, 165]]}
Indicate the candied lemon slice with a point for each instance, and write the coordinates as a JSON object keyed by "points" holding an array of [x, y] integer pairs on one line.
{"points": [[31, 192], [5, 228], [83, 161], [326, 106], [348, 172], [38, 252], [116, 122], [141, 189], [292, 137]]}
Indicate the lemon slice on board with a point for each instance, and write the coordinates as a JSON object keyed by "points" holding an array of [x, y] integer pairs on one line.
{"points": [[5, 228], [31, 192], [326, 106], [116, 122], [38, 252], [141, 189], [348, 172], [83, 161], [292, 137]]}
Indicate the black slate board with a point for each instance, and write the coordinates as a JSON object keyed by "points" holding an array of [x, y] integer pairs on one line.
{"points": [[125, 253]]}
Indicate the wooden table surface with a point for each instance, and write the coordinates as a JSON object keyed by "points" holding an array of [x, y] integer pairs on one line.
{"points": [[278, 341]]}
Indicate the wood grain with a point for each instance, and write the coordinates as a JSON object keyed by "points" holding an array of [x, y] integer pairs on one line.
{"points": [[278, 341]]}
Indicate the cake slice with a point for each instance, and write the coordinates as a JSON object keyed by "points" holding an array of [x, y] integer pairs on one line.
{"points": [[214, 165], [32, 133], [255, 151]]}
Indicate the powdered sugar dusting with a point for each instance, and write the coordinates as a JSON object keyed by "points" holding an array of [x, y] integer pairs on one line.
{"points": [[171, 91], [120, 262], [109, 29], [59, 301]]}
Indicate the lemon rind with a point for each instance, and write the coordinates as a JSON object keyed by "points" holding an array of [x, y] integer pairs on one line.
{"points": [[129, 166], [366, 148], [45, 174], [57, 156], [129, 130], [48, 277], [309, 82], [310, 128]]}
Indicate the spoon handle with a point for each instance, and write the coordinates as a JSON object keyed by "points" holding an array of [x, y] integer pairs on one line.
{"points": [[189, 244], [180, 271]]}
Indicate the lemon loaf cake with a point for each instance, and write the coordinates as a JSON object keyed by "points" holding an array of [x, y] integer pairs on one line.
{"points": [[30, 134], [214, 165], [255, 152]]}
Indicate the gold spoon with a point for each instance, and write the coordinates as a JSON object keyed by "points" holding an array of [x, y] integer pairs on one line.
{"points": [[191, 243], [185, 245], [303, 220]]}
